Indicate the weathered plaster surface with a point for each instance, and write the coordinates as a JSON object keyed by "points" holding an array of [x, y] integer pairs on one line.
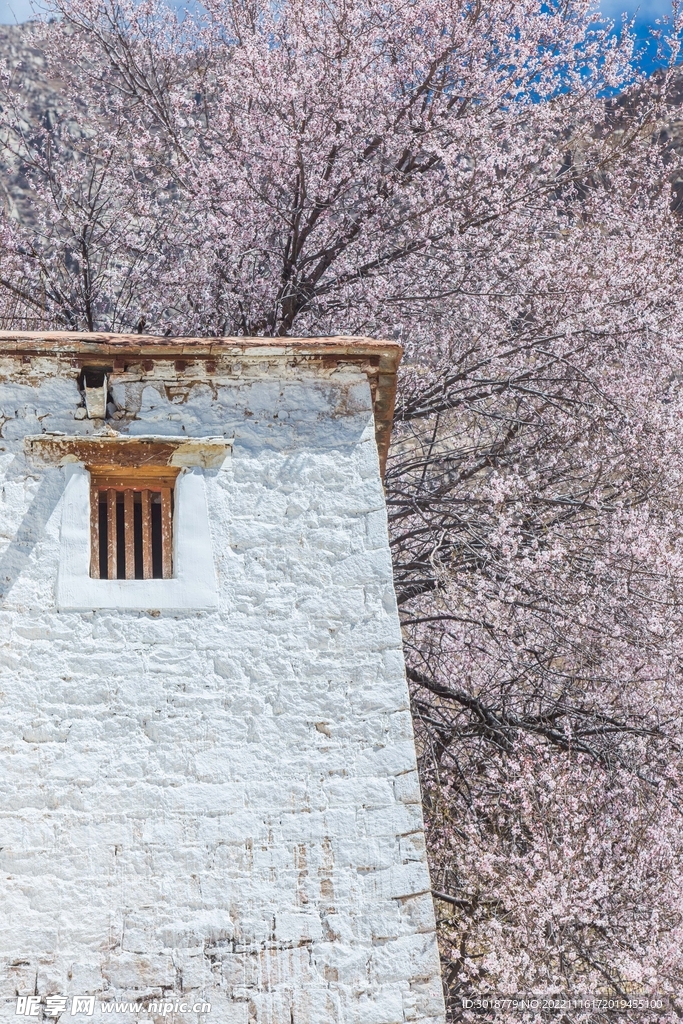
{"points": [[222, 803]]}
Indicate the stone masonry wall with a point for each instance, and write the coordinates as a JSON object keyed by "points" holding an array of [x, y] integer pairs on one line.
{"points": [[218, 806]]}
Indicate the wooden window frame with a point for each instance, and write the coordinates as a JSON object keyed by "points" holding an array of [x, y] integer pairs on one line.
{"points": [[112, 480]]}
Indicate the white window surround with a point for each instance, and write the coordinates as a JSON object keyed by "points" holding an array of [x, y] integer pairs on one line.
{"points": [[193, 587]]}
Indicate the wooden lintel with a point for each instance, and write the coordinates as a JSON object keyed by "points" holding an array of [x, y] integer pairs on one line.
{"points": [[122, 451]]}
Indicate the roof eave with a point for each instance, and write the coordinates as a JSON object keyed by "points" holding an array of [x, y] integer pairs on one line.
{"points": [[378, 358]]}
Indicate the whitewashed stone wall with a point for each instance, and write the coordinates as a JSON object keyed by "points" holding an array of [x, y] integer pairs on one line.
{"points": [[221, 805]]}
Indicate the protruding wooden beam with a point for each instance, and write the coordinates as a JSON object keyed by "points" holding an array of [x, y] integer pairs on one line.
{"points": [[109, 452]]}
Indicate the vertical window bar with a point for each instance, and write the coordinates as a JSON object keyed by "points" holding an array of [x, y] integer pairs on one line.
{"points": [[95, 533], [111, 534], [166, 533], [147, 569], [131, 530], [129, 533]]}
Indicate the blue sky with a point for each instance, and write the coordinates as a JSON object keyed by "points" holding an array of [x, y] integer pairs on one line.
{"points": [[12, 11], [646, 13], [648, 10]]}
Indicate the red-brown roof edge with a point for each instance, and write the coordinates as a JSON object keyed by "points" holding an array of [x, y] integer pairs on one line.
{"points": [[379, 359]]}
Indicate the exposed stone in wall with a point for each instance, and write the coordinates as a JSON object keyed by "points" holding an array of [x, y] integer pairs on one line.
{"points": [[221, 805]]}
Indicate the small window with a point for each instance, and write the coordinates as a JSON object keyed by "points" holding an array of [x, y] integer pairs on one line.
{"points": [[131, 525]]}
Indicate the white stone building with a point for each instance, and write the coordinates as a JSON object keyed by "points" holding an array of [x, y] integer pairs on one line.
{"points": [[208, 784]]}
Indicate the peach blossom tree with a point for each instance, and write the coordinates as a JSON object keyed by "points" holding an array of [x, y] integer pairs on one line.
{"points": [[490, 184]]}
